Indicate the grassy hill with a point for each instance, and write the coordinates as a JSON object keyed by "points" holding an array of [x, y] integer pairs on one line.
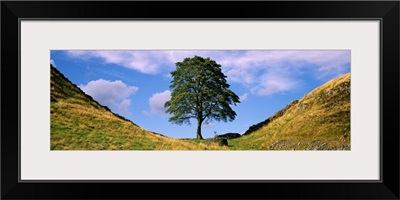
{"points": [[80, 123], [319, 121]]}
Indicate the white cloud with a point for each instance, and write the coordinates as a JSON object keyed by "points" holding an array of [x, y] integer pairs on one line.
{"points": [[282, 67], [157, 102], [251, 59], [243, 97], [271, 83], [113, 94], [240, 76], [53, 63], [124, 106], [167, 76], [268, 72], [148, 62], [79, 53], [209, 125]]}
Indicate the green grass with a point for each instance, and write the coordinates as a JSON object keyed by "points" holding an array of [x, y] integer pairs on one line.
{"points": [[323, 124], [80, 123], [320, 120]]}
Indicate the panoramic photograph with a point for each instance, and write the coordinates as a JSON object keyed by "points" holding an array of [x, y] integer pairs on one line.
{"points": [[200, 100]]}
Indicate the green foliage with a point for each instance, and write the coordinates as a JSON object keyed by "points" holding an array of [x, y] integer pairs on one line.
{"points": [[200, 91]]}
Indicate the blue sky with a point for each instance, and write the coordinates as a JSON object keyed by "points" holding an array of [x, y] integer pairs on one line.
{"points": [[135, 84]]}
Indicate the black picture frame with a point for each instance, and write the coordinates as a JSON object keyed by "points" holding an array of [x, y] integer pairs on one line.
{"points": [[386, 11]]}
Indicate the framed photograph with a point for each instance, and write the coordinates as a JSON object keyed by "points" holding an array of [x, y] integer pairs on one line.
{"points": [[290, 96]]}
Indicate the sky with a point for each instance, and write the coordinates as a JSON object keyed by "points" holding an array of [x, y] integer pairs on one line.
{"points": [[135, 83]]}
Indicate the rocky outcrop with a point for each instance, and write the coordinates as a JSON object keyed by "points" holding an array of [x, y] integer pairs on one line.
{"points": [[229, 135], [290, 144], [218, 141]]}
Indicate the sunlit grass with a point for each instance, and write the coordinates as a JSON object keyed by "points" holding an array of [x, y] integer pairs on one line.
{"points": [[321, 117], [80, 123], [320, 120]]}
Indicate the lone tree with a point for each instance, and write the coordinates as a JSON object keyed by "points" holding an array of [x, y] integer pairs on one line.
{"points": [[200, 91]]}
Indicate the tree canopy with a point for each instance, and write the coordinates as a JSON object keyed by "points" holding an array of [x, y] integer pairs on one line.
{"points": [[200, 91]]}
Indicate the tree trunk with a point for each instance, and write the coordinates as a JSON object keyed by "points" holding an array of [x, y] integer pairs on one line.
{"points": [[199, 122]]}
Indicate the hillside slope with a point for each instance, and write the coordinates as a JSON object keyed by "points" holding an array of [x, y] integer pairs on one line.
{"points": [[80, 123], [319, 121]]}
